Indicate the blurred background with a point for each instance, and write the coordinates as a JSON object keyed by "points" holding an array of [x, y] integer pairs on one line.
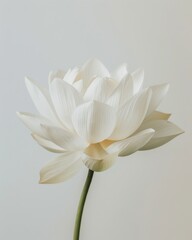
{"points": [[145, 196]]}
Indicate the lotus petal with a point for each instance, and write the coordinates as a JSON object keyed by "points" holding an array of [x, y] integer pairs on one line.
{"points": [[50, 146], [158, 93], [156, 115], [99, 89], [101, 164], [122, 93], [41, 100], [34, 122], [66, 139], [62, 168], [57, 74], [138, 77], [95, 151], [79, 86], [91, 69], [71, 75], [131, 115], [132, 144], [120, 72], [65, 99], [164, 132], [94, 121]]}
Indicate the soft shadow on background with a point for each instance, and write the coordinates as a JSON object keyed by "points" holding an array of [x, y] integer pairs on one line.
{"points": [[145, 196]]}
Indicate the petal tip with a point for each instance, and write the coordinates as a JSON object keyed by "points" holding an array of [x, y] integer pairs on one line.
{"points": [[41, 181], [151, 130], [166, 86], [139, 71], [18, 114], [94, 59], [21, 114], [27, 80], [181, 132]]}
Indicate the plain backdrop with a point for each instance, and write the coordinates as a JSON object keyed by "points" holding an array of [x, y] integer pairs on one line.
{"points": [[146, 196]]}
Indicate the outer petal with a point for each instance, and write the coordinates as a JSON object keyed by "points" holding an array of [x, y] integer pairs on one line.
{"points": [[50, 146], [101, 164], [93, 68], [41, 100], [99, 89], [34, 122], [158, 116], [158, 93], [66, 139], [131, 115], [57, 74], [65, 99], [71, 75], [79, 86], [132, 144], [94, 121], [62, 168], [120, 72], [122, 92], [164, 132], [138, 77]]}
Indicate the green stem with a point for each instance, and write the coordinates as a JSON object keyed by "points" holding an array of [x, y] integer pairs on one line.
{"points": [[81, 205]]}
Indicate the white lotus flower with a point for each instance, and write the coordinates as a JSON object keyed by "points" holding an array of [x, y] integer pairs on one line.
{"points": [[90, 117]]}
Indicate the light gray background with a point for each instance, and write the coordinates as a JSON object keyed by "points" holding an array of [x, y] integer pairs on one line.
{"points": [[147, 196]]}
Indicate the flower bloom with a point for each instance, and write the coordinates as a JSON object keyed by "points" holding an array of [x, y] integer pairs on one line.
{"points": [[90, 117]]}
